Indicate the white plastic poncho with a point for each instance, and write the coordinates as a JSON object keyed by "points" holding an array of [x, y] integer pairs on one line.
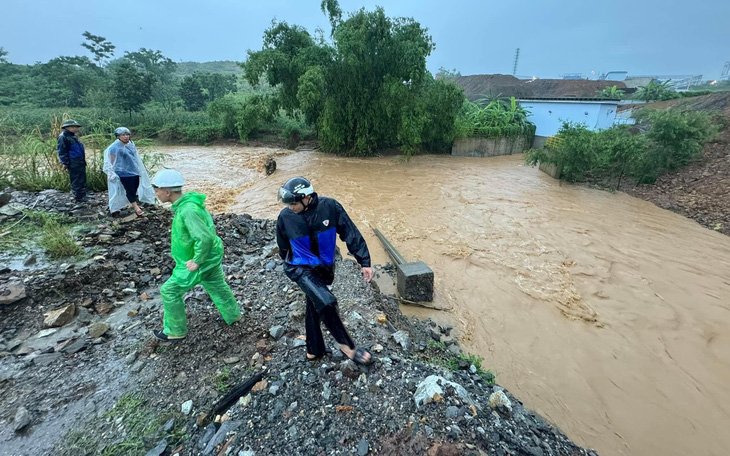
{"points": [[117, 195]]}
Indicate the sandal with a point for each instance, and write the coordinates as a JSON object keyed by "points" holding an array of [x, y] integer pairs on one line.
{"points": [[359, 357]]}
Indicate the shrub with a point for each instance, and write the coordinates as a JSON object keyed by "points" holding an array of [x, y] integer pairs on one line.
{"points": [[673, 139]]}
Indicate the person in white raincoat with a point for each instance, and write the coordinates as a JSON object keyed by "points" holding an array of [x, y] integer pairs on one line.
{"points": [[127, 177]]}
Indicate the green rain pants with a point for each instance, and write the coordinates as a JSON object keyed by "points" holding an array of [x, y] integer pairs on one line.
{"points": [[172, 292]]}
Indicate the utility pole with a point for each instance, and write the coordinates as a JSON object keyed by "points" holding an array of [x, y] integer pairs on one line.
{"points": [[517, 59]]}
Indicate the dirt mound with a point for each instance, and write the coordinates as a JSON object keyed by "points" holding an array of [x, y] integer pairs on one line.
{"points": [[483, 85], [101, 385]]}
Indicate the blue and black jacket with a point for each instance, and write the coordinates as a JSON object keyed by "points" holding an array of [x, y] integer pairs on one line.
{"points": [[308, 239], [70, 149]]}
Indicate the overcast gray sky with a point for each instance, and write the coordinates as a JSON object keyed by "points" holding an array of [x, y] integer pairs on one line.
{"points": [[665, 37]]}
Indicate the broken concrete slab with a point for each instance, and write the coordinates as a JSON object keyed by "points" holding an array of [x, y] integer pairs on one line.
{"points": [[415, 281]]}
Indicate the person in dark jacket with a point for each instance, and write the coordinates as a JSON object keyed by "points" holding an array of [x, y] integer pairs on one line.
{"points": [[73, 158], [306, 233]]}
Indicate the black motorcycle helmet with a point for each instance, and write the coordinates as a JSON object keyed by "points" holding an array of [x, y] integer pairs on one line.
{"points": [[295, 190]]}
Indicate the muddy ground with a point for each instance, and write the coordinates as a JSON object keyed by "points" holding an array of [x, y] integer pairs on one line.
{"points": [[98, 384]]}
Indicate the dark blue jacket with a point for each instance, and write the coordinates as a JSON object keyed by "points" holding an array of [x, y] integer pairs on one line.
{"points": [[308, 239], [70, 148]]}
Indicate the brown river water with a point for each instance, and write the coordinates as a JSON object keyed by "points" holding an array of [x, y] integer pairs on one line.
{"points": [[602, 312]]}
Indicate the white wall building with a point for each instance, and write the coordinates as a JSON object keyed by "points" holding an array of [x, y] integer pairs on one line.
{"points": [[548, 114]]}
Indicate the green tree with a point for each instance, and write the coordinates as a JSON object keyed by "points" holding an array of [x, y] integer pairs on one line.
{"points": [[132, 88], [3, 55], [99, 47], [65, 80], [287, 53], [191, 92]]}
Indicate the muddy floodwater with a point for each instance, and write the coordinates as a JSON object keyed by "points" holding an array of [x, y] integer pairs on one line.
{"points": [[602, 312]]}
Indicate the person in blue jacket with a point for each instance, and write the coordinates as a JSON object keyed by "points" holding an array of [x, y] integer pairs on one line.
{"points": [[72, 156], [306, 233]]}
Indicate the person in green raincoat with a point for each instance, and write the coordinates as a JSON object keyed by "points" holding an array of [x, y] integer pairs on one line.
{"points": [[198, 253]]}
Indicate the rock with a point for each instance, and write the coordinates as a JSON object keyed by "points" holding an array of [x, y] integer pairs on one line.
{"points": [[260, 386], [98, 329], [246, 453], [167, 427], [84, 316], [22, 419], [11, 292], [276, 331], [158, 450], [377, 348], [363, 447], [299, 343], [354, 316], [403, 338], [220, 436], [473, 369], [275, 388], [270, 166], [498, 398], [452, 411], [60, 317], [77, 346], [30, 260], [454, 349], [231, 360], [12, 209], [187, 407], [103, 308], [5, 198], [454, 431], [207, 435], [433, 385], [381, 318], [46, 358], [137, 366], [46, 332], [244, 400], [326, 391]]}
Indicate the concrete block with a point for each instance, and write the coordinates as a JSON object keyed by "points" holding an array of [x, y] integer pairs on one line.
{"points": [[415, 281]]}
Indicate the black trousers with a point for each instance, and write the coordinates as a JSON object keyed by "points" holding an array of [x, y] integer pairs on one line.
{"points": [[131, 184], [77, 175], [321, 308]]}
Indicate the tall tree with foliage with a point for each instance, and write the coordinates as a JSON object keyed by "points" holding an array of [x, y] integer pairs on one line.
{"points": [[191, 92], [368, 89], [132, 89], [3, 55], [100, 47]]}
